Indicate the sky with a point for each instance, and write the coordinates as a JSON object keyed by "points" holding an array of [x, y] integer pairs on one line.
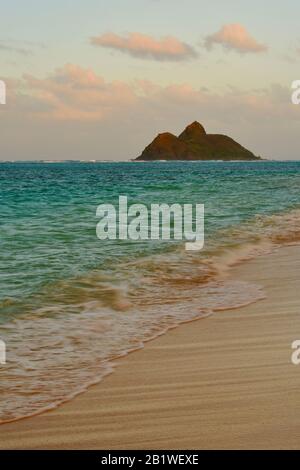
{"points": [[92, 79]]}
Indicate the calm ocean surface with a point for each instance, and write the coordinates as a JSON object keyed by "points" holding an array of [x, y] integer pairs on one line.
{"points": [[69, 303]]}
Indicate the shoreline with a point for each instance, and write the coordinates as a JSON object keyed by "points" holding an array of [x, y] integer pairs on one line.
{"points": [[215, 383]]}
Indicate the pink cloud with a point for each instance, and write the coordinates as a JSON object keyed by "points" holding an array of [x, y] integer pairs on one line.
{"points": [[72, 93], [146, 47], [235, 37], [75, 93]]}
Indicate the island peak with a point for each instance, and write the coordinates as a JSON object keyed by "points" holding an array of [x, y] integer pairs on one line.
{"points": [[193, 131]]}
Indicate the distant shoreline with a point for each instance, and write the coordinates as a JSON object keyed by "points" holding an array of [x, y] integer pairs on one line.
{"points": [[264, 160]]}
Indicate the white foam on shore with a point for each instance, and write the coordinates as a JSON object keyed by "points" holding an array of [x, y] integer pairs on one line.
{"points": [[52, 359]]}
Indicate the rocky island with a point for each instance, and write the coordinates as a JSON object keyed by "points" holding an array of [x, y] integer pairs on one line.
{"points": [[195, 144]]}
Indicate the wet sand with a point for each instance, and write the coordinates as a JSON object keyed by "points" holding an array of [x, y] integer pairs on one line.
{"points": [[224, 382]]}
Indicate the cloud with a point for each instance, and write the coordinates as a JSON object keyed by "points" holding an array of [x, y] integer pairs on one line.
{"points": [[146, 47], [235, 37], [73, 93], [24, 48], [7, 47]]}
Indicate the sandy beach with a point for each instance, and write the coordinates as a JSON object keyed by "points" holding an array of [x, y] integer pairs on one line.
{"points": [[224, 382]]}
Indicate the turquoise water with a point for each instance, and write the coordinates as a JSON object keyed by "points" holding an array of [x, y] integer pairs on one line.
{"points": [[69, 302]]}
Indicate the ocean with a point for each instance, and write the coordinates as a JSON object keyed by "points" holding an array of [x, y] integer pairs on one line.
{"points": [[71, 303]]}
